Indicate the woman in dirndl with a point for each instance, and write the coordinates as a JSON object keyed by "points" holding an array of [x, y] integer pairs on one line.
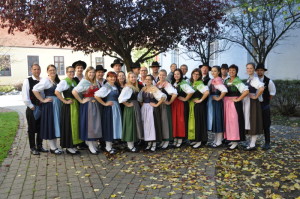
{"points": [[108, 95], [90, 116], [151, 98], [69, 124], [180, 107], [165, 108], [252, 107], [132, 120], [233, 108], [215, 113], [197, 129], [50, 109]]}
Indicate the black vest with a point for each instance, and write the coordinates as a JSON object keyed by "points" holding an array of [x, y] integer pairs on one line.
{"points": [[266, 93], [206, 80], [32, 97]]}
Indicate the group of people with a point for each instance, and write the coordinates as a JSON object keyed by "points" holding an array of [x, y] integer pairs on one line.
{"points": [[161, 110]]}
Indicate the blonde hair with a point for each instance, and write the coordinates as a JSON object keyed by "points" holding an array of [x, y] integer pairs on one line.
{"points": [[90, 68], [134, 86]]}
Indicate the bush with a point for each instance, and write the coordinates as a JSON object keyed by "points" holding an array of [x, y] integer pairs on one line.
{"points": [[287, 97], [6, 89]]}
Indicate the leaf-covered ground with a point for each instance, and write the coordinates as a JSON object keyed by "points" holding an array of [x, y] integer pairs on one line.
{"points": [[262, 174]]}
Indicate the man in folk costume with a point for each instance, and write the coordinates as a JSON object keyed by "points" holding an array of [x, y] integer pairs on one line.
{"points": [[224, 72], [269, 92], [33, 111], [205, 68], [79, 66], [184, 69], [155, 67], [100, 71], [117, 66], [136, 67]]}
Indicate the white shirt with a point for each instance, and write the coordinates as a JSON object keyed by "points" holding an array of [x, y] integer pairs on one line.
{"points": [[25, 93], [271, 86]]}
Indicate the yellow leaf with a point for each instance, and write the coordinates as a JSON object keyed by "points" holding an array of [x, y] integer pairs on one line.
{"points": [[87, 175], [276, 184], [96, 190], [297, 186], [171, 193], [113, 195]]}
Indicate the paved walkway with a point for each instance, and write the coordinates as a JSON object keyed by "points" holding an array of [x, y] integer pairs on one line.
{"points": [[175, 173]]}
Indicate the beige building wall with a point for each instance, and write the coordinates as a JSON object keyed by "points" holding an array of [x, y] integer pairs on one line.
{"points": [[19, 62]]}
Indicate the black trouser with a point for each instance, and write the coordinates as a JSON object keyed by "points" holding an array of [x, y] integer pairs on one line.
{"points": [[33, 128], [266, 113]]}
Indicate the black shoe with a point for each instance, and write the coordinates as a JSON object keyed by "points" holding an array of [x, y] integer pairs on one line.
{"points": [[41, 149], [112, 151], [33, 151], [133, 150], [266, 146], [56, 151], [215, 146], [250, 148], [72, 153], [82, 146], [93, 153]]}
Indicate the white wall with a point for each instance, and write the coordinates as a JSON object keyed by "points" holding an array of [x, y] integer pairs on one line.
{"points": [[19, 63]]}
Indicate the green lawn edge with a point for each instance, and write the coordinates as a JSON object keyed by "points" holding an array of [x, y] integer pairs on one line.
{"points": [[9, 123]]}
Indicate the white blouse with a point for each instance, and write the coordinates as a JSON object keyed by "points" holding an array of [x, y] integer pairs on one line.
{"points": [[105, 90], [202, 88], [44, 84], [62, 86], [82, 86], [186, 88], [125, 94]]}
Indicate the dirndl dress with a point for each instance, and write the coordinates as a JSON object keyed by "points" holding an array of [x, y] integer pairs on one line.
{"points": [[180, 110], [132, 119], [233, 111], [215, 113], [50, 111], [197, 129], [89, 112], [252, 108], [151, 116], [111, 115]]}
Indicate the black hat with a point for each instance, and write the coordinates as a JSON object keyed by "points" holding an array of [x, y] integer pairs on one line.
{"points": [[225, 66], [116, 61], [155, 64], [260, 66], [79, 63], [205, 64], [135, 65], [100, 67]]}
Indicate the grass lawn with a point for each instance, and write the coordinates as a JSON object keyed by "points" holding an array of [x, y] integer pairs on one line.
{"points": [[9, 122]]}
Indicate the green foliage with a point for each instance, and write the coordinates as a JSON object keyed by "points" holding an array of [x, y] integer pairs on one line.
{"points": [[287, 97], [9, 123], [6, 89], [137, 53]]}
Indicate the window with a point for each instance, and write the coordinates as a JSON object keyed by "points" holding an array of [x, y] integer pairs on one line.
{"points": [[214, 47], [5, 67], [175, 56], [32, 60], [59, 64], [99, 61]]}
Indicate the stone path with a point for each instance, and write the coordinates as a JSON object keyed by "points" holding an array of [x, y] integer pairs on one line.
{"points": [[175, 173]]}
